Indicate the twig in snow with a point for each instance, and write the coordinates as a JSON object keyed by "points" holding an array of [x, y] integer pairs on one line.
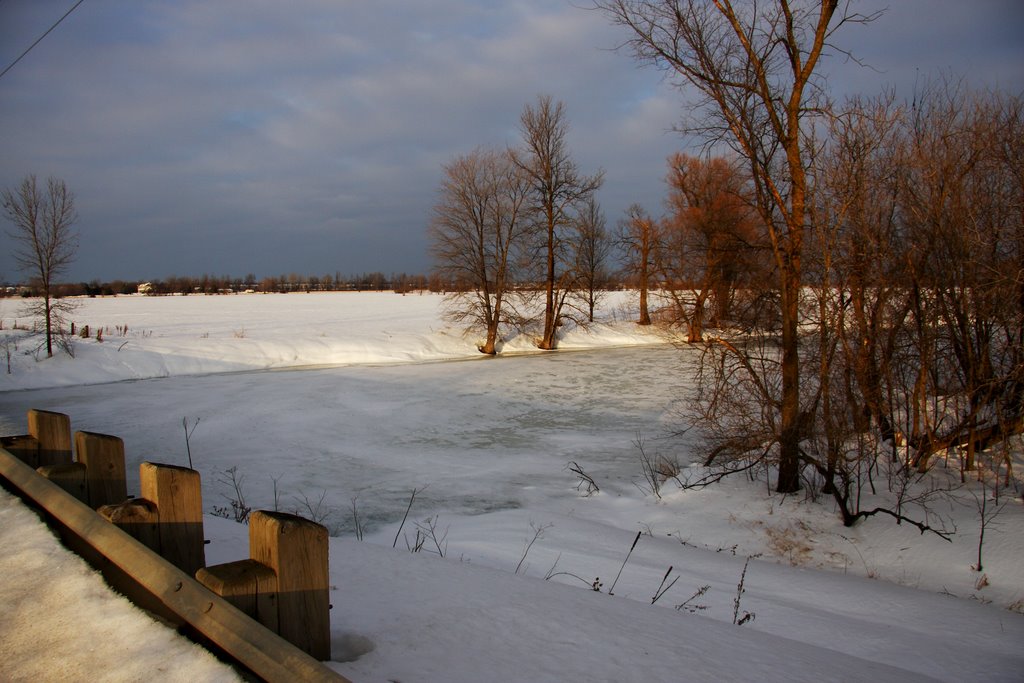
{"points": [[594, 585], [538, 531], [355, 520], [662, 588], [585, 480], [316, 510], [740, 590], [188, 434], [611, 591], [404, 517], [692, 609]]}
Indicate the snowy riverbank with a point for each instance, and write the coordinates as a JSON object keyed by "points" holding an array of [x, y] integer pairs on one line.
{"points": [[486, 445]]}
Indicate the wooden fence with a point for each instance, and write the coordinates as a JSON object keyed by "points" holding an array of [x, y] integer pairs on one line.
{"points": [[269, 612]]}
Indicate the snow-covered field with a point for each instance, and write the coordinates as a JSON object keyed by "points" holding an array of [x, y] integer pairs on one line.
{"points": [[333, 403]]}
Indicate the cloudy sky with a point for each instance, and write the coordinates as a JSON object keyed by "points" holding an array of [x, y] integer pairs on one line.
{"points": [[307, 136]]}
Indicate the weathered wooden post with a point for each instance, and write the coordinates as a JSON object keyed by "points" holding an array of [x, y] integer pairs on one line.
{"points": [[178, 498], [285, 583], [136, 517], [296, 550], [69, 476], [248, 585], [23, 447], [103, 457], [53, 432]]}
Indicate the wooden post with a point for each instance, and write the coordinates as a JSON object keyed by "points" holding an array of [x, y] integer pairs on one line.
{"points": [[138, 518], [24, 447], [296, 549], [178, 498], [248, 585], [70, 476], [53, 432], [103, 457]]}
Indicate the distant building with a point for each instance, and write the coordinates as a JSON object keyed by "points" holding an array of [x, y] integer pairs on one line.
{"points": [[146, 288]]}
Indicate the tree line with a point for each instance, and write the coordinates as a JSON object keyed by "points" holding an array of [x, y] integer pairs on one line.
{"points": [[228, 284], [853, 272], [400, 283], [863, 260]]}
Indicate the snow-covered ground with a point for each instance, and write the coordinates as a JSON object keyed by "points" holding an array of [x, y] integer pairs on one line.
{"points": [[485, 444], [146, 337], [62, 623]]}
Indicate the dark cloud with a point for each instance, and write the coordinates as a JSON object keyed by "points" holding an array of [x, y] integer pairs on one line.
{"points": [[308, 136]]}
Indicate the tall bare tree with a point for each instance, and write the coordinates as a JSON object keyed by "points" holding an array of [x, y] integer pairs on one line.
{"points": [[753, 64], [44, 241], [638, 239], [854, 255], [479, 226], [593, 250], [558, 189]]}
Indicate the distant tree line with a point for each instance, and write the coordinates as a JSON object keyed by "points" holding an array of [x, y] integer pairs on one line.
{"points": [[293, 282], [227, 284]]}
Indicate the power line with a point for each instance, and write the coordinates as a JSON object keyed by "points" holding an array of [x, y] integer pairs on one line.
{"points": [[11, 66]]}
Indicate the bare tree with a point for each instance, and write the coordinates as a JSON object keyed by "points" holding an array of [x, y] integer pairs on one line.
{"points": [[638, 239], [593, 249], [858, 310], [478, 225], [753, 64], [44, 242], [558, 189], [710, 242]]}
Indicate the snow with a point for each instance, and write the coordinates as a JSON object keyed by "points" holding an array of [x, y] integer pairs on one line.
{"points": [[62, 622], [329, 402], [195, 335]]}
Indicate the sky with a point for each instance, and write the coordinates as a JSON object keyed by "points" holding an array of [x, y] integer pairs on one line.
{"points": [[263, 137]]}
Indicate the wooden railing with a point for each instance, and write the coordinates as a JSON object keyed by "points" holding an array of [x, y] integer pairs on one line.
{"points": [[269, 612]]}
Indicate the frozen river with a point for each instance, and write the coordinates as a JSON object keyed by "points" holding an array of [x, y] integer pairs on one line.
{"points": [[472, 436]]}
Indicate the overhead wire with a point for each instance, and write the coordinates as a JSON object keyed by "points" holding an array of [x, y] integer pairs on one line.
{"points": [[29, 49]]}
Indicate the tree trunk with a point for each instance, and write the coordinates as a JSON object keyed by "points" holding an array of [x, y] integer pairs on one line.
{"points": [[492, 337], [49, 322], [696, 323], [645, 317], [548, 341], [789, 436]]}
